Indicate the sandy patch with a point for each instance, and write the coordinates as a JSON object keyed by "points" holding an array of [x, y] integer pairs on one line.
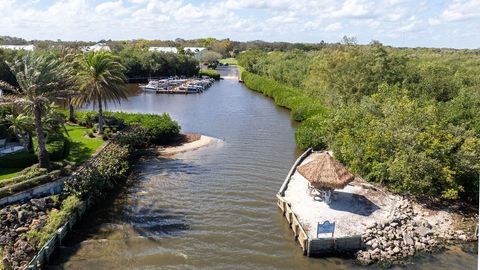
{"points": [[188, 146]]}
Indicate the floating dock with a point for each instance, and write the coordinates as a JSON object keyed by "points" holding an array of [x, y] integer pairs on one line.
{"points": [[353, 209]]}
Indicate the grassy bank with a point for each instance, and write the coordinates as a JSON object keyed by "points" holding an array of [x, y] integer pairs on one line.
{"points": [[111, 167], [230, 61], [75, 147], [303, 108], [210, 73]]}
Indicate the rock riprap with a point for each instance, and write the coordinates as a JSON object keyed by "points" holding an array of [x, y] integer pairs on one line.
{"points": [[404, 234], [15, 221]]}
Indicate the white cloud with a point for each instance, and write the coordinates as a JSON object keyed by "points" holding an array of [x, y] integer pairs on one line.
{"points": [[333, 27], [458, 10], [356, 8], [112, 8], [300, 20]]}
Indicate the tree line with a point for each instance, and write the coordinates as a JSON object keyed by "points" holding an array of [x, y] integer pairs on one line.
{"points": [[405, 118]]}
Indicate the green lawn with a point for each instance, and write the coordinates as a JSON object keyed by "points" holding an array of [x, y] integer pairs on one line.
{"points": [[7, 173], [82, 146], [230, 61]]}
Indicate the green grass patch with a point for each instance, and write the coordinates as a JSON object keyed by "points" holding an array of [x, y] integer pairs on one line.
{"points": [[82, 147], [210, 73], [230, 61], [7, 173]]}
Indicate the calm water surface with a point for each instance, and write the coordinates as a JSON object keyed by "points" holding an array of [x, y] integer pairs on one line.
{"points": [[213, 208]]}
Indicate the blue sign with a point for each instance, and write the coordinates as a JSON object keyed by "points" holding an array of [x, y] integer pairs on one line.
{"points": [[326, 227]]}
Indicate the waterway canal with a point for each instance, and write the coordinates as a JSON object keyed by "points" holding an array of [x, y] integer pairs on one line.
{"points": [[213, 208]]}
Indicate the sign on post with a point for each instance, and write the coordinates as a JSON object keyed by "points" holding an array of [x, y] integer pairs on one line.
{"points": [[325, 227]]}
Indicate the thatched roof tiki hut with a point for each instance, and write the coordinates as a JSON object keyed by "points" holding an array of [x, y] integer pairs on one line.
{"points": [[325, 174]]}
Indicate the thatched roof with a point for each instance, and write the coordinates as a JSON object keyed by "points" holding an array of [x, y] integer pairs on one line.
{"points": [[324, 172]]}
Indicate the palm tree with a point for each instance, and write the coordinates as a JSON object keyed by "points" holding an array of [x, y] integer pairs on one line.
{"points": [[22, 126], [101, 78], [40, 77]]}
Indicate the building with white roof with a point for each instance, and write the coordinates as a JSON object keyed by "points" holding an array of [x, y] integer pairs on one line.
{"points": [[194, 49], [18, 47], [163, 49], [95, 48]]}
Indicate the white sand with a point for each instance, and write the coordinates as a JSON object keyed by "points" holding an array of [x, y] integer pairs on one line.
{"points": [[203, 141], [352, 208]]}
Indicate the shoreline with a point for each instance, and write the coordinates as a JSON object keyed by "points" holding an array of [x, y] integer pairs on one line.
{"points": [[388, 228], [193, 142]]}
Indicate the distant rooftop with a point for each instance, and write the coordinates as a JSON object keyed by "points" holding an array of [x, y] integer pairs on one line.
{"points": [[163, 49], [97, 47], [18, 47], [194, 49]]}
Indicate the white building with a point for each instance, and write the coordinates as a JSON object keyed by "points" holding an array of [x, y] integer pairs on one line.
{"points": [[194, 50], [95, 48], [163, 49], [18, 47]]}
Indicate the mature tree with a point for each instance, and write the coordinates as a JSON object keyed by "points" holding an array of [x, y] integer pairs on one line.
{"points": [[40, 77], [210, 56], [101, 78]]}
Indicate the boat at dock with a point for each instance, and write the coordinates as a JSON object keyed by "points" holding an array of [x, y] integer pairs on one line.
{"points": [[178, 86]]}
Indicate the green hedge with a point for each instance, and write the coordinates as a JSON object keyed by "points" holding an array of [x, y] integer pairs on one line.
{"points": [[159, 128], [303, 108], [17, 187], [58, 147], [18, 160], [210, 73], [101, 173]]}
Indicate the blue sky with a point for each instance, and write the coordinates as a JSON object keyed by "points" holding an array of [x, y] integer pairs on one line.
{"points": [[452, 23]]}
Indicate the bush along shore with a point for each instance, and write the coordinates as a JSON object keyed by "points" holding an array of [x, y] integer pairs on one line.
{"points": [[26, 227], [406, 232]]}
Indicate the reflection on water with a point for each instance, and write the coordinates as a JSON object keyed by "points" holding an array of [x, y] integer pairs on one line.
{"points": [[213, 208]]}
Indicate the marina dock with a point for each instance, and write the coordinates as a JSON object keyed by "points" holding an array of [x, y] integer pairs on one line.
{"points": [[175, 85]]}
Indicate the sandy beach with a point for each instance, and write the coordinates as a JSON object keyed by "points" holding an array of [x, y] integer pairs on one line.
{"points": [[202, 141]]}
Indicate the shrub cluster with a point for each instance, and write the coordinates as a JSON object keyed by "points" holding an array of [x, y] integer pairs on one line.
{"points": [[158, 128], [58, 147], [18, 160], [210, 73], [407, 119], [101, 173], [302, 107]]}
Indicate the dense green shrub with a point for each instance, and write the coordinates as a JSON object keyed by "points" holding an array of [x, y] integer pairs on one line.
{"points": [[133, 137], [404, 118], [210, 73], [101, 174], [312, 133], [18, 160], [58, 147], [159, 128], [301, 106]]}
